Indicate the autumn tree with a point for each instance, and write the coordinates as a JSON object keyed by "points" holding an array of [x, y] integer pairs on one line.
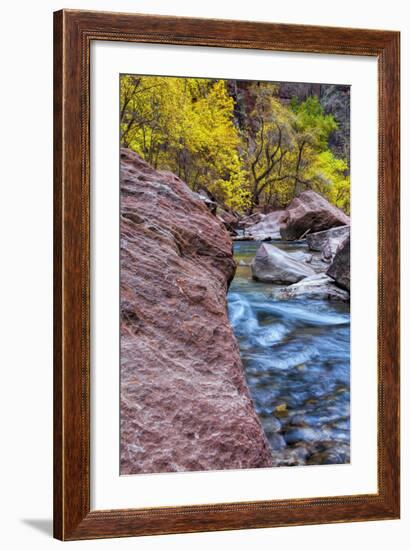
{"points": [[288, 151], [245, 146], [270, 141], [186, 126]]}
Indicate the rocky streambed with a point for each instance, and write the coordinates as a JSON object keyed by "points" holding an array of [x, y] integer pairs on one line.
{"points": [[296, 356]]}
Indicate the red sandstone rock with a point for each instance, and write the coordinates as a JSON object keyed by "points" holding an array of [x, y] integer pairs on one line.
{"points": [[310, 212], [185, 404]]}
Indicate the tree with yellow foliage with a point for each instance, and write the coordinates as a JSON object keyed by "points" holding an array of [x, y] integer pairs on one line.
{"points": [[185, 126], [190, 127]]}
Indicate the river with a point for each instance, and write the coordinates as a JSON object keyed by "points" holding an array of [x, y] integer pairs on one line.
{"points": [[296, 356]]}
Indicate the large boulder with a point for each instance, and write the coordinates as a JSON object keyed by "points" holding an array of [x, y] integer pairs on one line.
{"points": [[268, 228], [316, 287], [328, 241], [185, 404], [308, 213], [339, 269], [272, 265]]}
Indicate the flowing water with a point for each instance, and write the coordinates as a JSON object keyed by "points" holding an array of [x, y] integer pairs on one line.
{"points": [[296, 355]]}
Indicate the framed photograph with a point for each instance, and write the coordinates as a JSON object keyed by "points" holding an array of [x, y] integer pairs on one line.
{"points": [[226, 275]]}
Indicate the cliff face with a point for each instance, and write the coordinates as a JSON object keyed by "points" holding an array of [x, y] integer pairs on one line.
{"points": [[335, 100], [184, 400]]}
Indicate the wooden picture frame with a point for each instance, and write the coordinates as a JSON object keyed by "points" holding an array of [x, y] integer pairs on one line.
{"points": [[73, 33]]}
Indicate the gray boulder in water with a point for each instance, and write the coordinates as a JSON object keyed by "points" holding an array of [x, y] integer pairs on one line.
{"points": [[317, 240], [328, 241], [272, 265], [316, 287], [340, 267]]}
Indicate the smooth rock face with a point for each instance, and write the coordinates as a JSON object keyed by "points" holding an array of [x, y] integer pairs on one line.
{"points": [[272, 265], [310, 212], [340, 267], [185, 405], [317, 287], [268, 227]]}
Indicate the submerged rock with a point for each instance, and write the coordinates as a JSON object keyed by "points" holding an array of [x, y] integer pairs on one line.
{"points": [[340, 267], [272, 265], [271, 425], [185, 404], [276, 441], [310, 213], [339, 455], [291, 456], [316, 287]]}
